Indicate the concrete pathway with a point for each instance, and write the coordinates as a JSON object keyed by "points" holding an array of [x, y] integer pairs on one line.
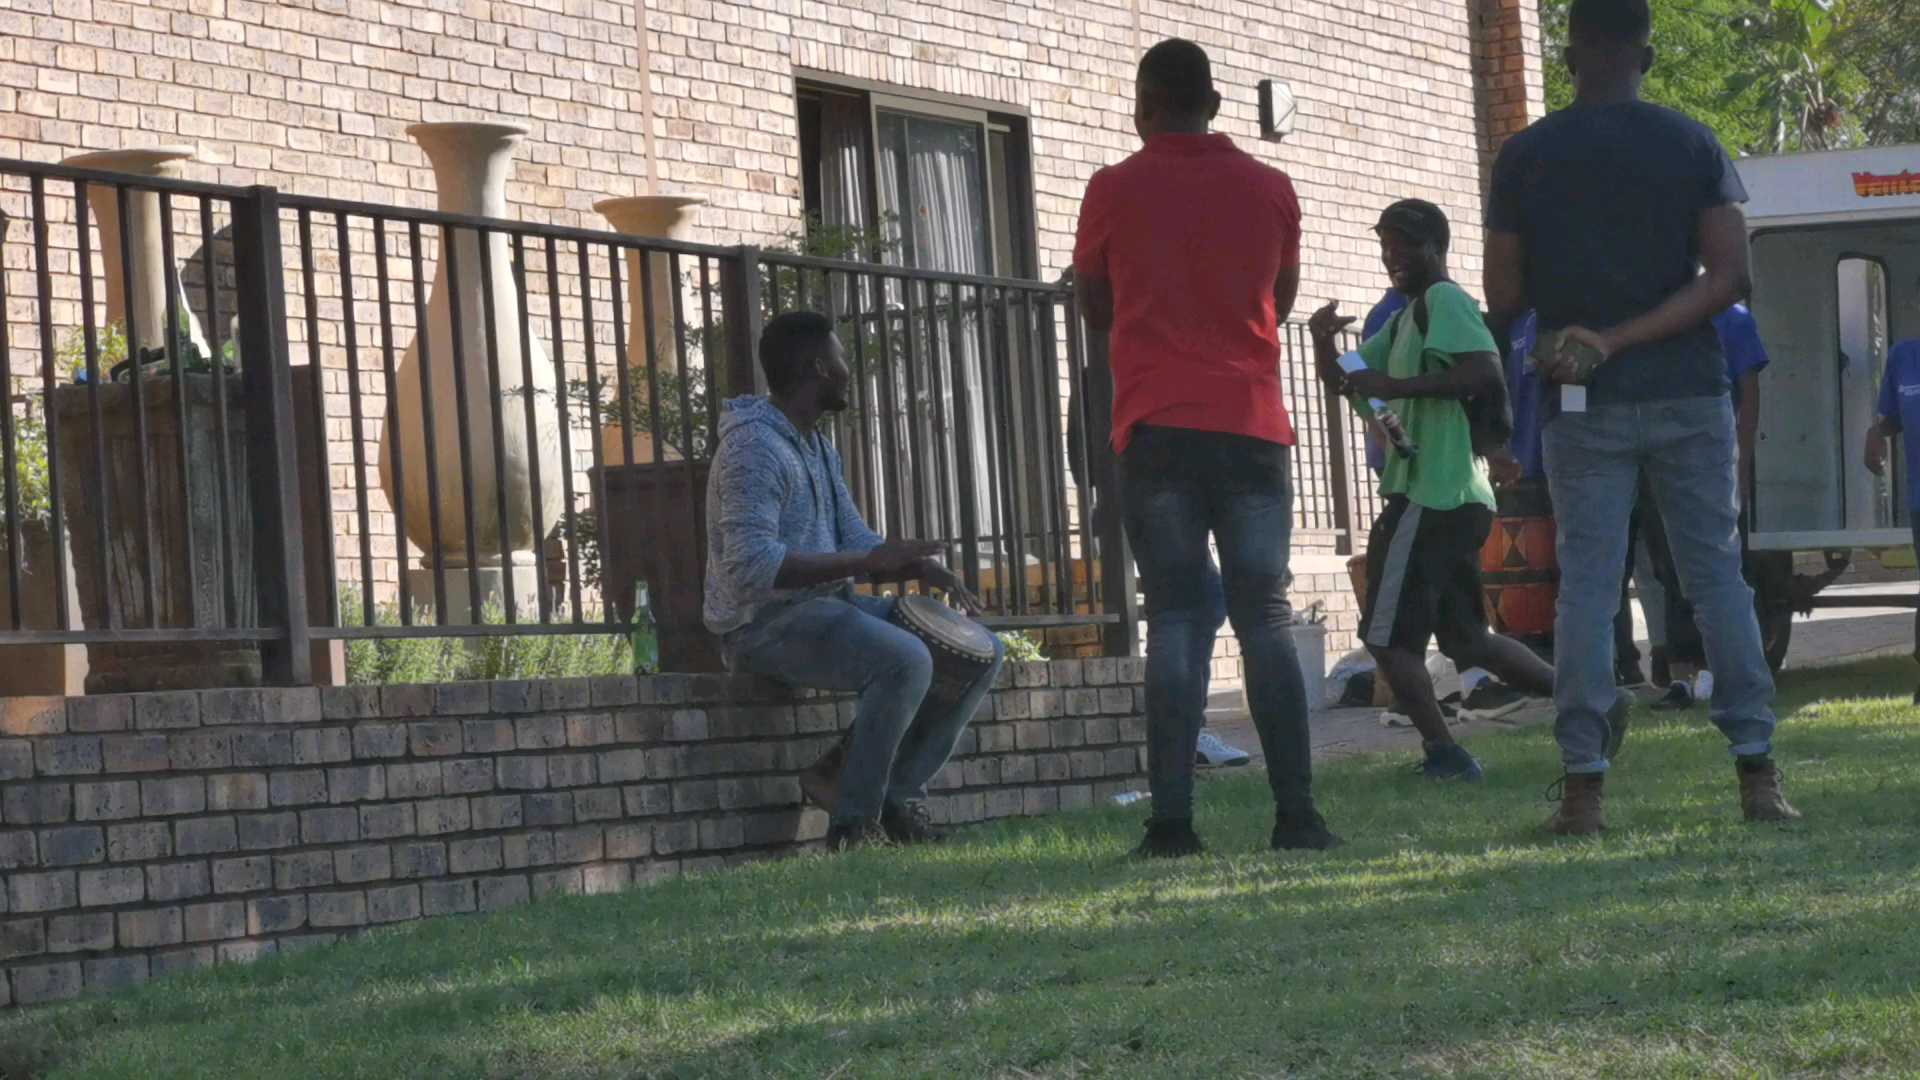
{"points": [[1825, 638]]}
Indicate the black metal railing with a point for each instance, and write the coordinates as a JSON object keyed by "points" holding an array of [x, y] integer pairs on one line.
{"points": [[497, 427], [957, 429], [387, 422], [140, 465]]}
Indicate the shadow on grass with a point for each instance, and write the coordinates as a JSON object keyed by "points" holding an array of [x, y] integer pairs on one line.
{"points": [[1036, 946]]}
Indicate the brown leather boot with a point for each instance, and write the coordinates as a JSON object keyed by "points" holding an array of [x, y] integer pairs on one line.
{"points": [[1579, 812], [1760, 796]]}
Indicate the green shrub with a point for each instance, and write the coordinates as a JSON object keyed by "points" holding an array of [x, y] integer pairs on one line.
{"points": [[1022, 647], [382, 661]]}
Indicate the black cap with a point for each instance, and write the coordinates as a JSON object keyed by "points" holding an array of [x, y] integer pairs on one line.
{"points": [[1417, 219]]}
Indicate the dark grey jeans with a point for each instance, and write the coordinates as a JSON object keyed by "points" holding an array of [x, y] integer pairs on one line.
{"points": [[1179, 487]]}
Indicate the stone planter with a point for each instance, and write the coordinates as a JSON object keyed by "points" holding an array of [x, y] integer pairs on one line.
{"points": [[470, 167], [660, 217], [39, 669], [656, 531], [152, 277], [166, 520]]}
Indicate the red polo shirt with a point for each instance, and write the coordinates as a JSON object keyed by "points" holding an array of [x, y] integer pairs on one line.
{"points": [[1191, 231]]}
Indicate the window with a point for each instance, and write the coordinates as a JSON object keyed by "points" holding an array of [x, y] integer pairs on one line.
{"points": [[1862, 345], [947, 187], [932, 185]]}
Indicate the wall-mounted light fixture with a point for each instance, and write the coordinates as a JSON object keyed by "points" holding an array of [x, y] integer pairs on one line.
{"points": [[1276, 110]]}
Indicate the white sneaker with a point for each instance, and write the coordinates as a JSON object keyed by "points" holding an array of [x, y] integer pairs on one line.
{"points": [[1213, 753], [1703, 686]]}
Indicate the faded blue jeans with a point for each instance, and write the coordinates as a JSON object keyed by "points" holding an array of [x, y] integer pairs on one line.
{"points": [[1179, 487], [1594, 461], [845, 643]]}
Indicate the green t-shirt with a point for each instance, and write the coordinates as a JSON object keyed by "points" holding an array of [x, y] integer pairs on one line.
{"points": [[1445, 474]]}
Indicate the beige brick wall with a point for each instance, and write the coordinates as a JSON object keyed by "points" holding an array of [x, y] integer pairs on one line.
{"points": [[1385, 89], [313, 96], [147, 834]]}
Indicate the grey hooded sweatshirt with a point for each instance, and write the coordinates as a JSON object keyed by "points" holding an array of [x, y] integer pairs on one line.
{"points": [[771, 491]]}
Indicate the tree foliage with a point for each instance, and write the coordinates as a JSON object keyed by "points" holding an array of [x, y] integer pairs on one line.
{"points": [[1776, 76]]}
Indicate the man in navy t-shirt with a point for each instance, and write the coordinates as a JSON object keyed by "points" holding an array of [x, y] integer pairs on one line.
{"points": [[1899, 413], [1602, 218]]}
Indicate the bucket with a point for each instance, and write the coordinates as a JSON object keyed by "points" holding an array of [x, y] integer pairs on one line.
{"points": [[1310, 642]]}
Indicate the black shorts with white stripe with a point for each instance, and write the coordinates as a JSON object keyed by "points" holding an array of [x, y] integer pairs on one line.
{"points": [[1423, 576]]}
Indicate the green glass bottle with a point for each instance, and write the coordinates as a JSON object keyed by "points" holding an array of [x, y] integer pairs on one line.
{"points": [[646, 633]]}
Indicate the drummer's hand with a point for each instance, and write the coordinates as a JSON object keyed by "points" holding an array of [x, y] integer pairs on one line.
{"points": [[894, 557], [939, 577]]}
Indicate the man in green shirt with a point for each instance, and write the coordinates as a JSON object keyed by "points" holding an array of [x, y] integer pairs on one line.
{"points": [[1423, 555]]}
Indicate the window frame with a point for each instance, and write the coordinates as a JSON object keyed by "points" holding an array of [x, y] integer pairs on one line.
{"points": [[1014, 186]]}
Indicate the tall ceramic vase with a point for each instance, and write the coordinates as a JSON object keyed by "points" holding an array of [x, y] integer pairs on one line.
{"points": [[660, 217], [470, 166], [151, 274]]}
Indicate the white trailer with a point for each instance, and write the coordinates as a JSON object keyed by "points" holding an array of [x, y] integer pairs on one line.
{"points": [[1836, 269]]}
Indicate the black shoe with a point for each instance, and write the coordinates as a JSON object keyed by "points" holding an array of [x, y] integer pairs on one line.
{"points": [[1173, 839], [1662, 672], [856, 834], [1679, 696], [1627, 673], [910, 824], [1303, 830]]}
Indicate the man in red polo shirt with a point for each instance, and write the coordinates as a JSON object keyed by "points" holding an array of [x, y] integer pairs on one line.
{"points": [[1188, 257]]}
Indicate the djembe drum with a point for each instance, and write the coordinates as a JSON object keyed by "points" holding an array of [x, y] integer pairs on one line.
{"points": [[962, 651]]}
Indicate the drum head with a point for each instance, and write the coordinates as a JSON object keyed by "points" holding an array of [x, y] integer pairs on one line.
{"points": [[941, 624]]}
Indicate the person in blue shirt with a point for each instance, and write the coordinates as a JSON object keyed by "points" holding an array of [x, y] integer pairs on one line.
{"points": [[1523, 393], [1376, 321], [1680, 644], [1899, 412]]}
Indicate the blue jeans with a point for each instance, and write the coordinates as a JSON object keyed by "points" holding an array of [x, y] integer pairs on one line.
{"points": [[1179, 487], [846, 643], [1594, 461]]}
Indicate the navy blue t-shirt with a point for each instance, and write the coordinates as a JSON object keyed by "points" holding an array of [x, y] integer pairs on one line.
{"points": [[1523, 391], [1607, 200]]}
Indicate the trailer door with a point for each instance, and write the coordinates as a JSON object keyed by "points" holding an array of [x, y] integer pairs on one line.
{"points": [[1829, 303]]}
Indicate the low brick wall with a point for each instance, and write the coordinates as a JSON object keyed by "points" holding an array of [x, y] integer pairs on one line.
{"points": [[151, 833]]}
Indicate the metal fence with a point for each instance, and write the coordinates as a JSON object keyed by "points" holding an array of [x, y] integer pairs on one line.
{"points": [[304, 418], [498, 428], [141, 472]]}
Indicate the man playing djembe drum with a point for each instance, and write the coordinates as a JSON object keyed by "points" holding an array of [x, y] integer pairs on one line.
{"points": [[785, 545]]}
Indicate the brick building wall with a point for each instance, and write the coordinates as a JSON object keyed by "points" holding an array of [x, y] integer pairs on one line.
{"points": [[1395, 98], [146, 834]]}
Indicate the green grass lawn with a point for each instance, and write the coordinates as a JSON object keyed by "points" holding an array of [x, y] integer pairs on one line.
{"points": [[1448, 937]]}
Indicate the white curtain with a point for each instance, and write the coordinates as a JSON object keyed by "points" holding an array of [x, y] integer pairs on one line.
{"points": [[932, 197]]}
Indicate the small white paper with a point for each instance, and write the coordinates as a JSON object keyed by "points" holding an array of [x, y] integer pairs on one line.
{"points": [[1573, 398]]}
